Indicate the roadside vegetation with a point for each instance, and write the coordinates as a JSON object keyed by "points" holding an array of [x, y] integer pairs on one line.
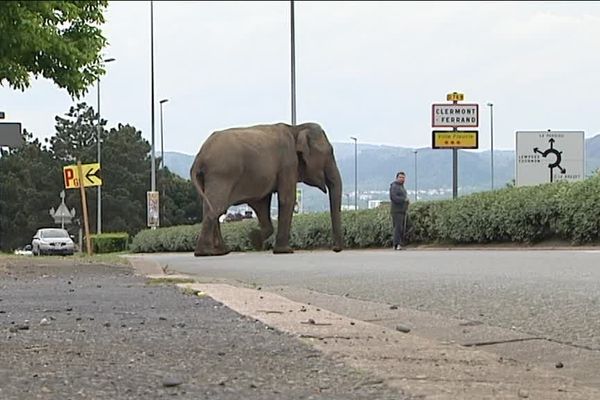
{"points": [[562, 211]]}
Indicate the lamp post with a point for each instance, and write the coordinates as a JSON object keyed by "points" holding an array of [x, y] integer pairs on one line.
{"points": [[99, 153], [152, 201], [416, 171], [491, 106], [355, 173], [162, 148], [293, 61], [153, 159]]}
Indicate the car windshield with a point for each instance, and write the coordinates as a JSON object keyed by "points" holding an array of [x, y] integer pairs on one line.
{"points": [[54, 233]]}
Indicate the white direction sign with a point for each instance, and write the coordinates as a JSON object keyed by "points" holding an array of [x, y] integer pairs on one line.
{"points": [[549, 156], [454, 115]]}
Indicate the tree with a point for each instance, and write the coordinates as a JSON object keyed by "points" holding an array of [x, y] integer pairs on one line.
{"points": [[179, 204], [126, 178], [59, 40], [30, 183], [76, 135]]}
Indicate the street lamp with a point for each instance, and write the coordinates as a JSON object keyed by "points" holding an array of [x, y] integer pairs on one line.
{"points": [[162, 148], [293, 61], [153, 159], [491, 106], [355, 173], [415, 151], [98, 140]]}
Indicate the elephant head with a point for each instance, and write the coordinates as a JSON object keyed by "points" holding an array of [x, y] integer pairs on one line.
{"points": [[317, 167]]}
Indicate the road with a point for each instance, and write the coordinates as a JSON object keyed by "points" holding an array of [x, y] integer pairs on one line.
{"points": [[82, 331], [549, 294]]}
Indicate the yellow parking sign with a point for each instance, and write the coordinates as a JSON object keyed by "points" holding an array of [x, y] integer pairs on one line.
{"points": [[91, 176]]}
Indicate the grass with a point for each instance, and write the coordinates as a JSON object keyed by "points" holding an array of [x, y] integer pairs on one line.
{"points": [[108, 258]]}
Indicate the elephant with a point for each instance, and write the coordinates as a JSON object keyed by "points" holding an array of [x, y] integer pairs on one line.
{"points": [[248, 165]]}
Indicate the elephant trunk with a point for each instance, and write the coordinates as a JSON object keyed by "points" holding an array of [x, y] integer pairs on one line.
{"points": [[334, 186]]}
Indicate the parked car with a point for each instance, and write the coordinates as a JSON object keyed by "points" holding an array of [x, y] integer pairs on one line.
{"points": [[52, 241], [25, 251]]}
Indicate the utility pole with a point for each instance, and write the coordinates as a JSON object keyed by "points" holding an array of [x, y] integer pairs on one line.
{"points": [[491, 143], [355, 173], [415, 151], [293, 61], [99, 140]]}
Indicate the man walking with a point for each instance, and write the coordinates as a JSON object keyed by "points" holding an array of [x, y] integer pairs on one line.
{"points": [[399, 209]]}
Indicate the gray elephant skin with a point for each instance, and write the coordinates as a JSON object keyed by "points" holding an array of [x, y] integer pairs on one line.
{"points": [[248, 165]]}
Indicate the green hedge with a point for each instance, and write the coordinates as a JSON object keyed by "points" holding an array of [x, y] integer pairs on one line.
{"points": [[563, 211], [110, 242]]}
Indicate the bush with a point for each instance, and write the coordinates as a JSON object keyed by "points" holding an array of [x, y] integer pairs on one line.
{"points": [[562, 210], [110, 242]]}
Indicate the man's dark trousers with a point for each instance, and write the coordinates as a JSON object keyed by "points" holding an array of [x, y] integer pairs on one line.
{"points": [[398, 222]]}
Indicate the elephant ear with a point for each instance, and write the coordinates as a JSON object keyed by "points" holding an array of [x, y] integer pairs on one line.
{"points": [[302, 147]]}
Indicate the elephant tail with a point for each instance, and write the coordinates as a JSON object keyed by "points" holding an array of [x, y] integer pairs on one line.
{"points": [[197, 176]]}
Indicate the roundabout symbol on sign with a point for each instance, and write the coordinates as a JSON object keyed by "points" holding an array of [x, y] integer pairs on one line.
{"points": [[555, 164]]}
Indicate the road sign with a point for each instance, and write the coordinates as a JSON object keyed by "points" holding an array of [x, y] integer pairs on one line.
{"points": [[152, 203], [455, 96], [91, 176], [298, 204], [10, 134], [549, 156], [455, 139], [454, 115]]}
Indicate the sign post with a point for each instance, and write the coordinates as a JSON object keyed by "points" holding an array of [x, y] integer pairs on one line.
{"points": [[82, 176], [298, 204], [152, 202], [455, 115], [88, 242]]}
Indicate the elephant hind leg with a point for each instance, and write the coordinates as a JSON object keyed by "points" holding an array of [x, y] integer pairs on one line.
{"points": [[220, 247], [210, 242], [262, 208]]}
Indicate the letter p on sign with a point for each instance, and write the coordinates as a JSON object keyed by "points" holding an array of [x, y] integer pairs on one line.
{"points": [[71, 179]]}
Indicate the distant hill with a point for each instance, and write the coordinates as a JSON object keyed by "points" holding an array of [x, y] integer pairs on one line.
{"points": [[377, 166]]}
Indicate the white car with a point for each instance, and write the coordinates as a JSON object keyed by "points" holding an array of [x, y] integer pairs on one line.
{"points": [[52, 241]]}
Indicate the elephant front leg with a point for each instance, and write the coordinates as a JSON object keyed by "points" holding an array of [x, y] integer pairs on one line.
{"points": [[286, 198]]}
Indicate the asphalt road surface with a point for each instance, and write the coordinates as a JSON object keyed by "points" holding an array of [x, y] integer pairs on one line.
{"points": [[71, 331], [553, 294]]}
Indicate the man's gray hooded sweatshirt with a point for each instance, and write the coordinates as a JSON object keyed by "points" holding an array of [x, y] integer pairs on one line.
{"points": [[398, 197]]}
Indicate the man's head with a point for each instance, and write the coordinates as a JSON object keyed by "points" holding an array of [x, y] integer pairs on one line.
{"points": [[400, 177]]}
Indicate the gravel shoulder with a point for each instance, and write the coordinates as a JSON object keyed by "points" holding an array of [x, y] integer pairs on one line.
{"points": [[71, 330]]}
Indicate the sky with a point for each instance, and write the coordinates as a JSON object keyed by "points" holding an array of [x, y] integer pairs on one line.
{"points": [[365, 69]]}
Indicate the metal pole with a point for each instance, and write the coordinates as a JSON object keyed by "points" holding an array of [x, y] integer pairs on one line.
{"points": [[454, 167], [492, 142], [355, 172], [355, 175], [454, 172], [162, 147], [415, 151], [99, 140], [99, 191], [293, 62], [153, 159]]}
